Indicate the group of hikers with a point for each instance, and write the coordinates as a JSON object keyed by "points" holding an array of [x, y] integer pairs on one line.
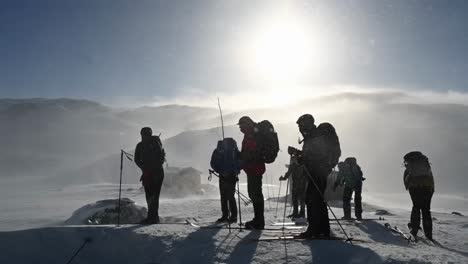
{"points": [[308, 172]]}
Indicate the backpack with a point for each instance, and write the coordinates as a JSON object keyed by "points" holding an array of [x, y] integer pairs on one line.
{"points": [[332, 142], [157, 150], [417, 164], [354, 169], [225, 159], [267, 142]]}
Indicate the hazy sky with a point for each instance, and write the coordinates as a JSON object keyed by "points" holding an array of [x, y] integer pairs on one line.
{"points": [[111, 49]]}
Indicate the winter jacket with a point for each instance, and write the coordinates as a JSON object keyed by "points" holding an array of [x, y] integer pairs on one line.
{"points": [[350, 174], [149, 157], [249, 156]]}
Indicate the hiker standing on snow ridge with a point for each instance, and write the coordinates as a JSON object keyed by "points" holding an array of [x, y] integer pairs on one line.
{"points": [[320, 154], [149, 157], [298, 186], [350, 174], [418, 179], [254, 168], [225, 161]]}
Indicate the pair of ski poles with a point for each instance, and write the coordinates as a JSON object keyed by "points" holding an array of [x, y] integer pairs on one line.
{"points": [[322, 196], [240, 197], [244, 198]]}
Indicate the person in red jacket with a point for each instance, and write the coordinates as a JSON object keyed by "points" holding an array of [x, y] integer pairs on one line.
{"points": [[254, 168]]}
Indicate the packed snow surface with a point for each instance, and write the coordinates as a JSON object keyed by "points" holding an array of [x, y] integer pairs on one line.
{"points": [[175, 241]]}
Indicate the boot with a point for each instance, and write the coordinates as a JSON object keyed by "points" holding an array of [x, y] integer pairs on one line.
{"points": [[232, 219], [222, 219], [413, 230], [255, 224], [358, 216], [309, 233]]}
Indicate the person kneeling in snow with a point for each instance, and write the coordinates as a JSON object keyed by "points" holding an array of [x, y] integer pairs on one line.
{"points": [[149, 157]]}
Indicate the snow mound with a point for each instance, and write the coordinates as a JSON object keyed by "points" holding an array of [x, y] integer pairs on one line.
{"points": [[105, 212], [382, 212]]}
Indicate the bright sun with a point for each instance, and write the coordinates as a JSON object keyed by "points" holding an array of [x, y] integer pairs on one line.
{"points": [[280, 50]]}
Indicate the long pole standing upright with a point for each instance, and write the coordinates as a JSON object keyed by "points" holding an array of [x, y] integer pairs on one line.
{"points": [[277, 200], [222, 120], [285, 203], [222, 130], [240, 211], [120, 185]]}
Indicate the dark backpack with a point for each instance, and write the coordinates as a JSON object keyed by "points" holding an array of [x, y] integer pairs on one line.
{"points": [[418, 164], [332, 142], [157, 151], [225, 159], [267, 142]]}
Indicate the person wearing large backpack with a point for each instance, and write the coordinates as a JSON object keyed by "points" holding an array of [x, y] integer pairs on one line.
{"points": [[350, 174], [298, 186], [225, 160], [150, 157], [320, 154], [254, 169], [259, 146], [419, 181]]}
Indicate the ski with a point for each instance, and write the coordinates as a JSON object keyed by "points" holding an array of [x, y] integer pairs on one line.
{"points": [[234, 227], [283, 238], [396, 230], [359, 220]]}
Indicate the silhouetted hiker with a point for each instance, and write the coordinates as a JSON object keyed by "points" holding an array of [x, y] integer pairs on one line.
{"points": [[225, 160], [254, 168], [350, 175], [320, 154], [149, 157], [298, 186], [418, 179]]}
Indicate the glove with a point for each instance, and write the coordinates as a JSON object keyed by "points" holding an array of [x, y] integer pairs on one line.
{"points": [[282, 178]]}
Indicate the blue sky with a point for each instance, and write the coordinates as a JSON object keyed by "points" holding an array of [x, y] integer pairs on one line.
{"points": [[108, 49]]}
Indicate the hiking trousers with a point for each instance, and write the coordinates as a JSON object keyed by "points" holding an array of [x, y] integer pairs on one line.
{"points": [[297, 200], [254, 189], [317, 211], [152, 192], [347, 195], [421, 197], [227, 188]]}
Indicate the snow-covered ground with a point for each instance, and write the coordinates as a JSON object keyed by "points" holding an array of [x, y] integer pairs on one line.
{"points": [[182, 243]]}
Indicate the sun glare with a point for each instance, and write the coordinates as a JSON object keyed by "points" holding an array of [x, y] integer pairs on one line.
{"points": [[282, 49]]}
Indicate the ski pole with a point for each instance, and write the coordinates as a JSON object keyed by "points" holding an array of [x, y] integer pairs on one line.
{"points": [[120, 186], [329, 208], [87, 240], [277, 200], [285, 203], [229, 216], [244, 198], [240, 211]]}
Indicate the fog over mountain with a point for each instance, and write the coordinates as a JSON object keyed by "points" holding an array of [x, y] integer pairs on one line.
{"points": [[78, 141], [42, 137]]}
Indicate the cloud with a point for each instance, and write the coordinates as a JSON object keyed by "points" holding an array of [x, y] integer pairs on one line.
{"points": [[284, 96]]}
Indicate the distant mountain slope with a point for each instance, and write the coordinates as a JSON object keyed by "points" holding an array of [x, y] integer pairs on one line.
{"points": [[54, 137], [375, 130], [46, 136]]}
